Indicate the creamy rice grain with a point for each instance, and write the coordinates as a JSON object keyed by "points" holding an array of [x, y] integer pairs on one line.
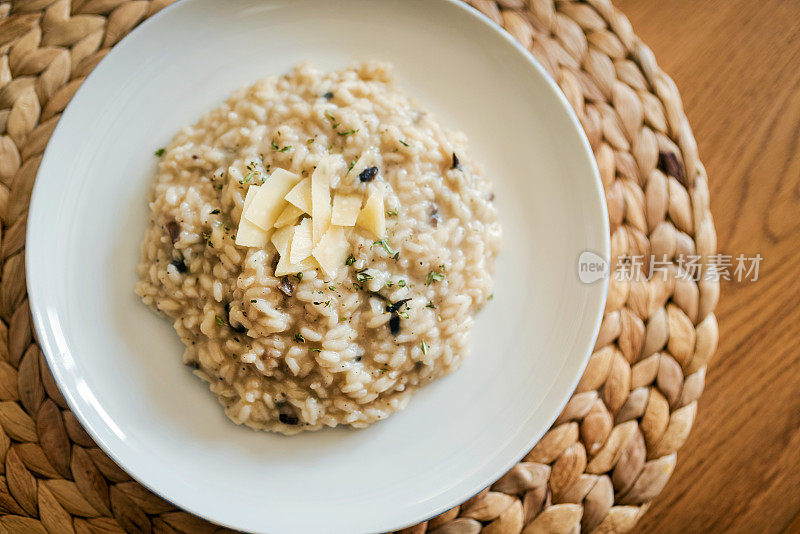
{"points": [[305, 351]]}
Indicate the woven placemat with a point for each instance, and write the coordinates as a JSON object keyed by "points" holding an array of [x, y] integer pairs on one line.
{"points": [[609, 453]]}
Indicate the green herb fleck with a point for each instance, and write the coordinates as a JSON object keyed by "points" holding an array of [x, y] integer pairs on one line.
{"points": [[357, 286], [310, 141], [404, 143], [389, 250], [279, 149], [299, 276], [401, 283], [350, 168], [424, 347], [299, 337], [389, 283], [332, 119], [350, 260], [253, 301], [403, 315], [220, 320], [332, 288], [218, 187], [491, 296], [433, 276], [363, 275], [159, 152], [347, 132], [316, 350], [392, 213]]}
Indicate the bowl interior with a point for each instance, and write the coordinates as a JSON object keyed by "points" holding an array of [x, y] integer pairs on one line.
{"points": [[119, 365]]}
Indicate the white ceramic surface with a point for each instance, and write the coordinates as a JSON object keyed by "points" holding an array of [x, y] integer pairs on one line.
{"points": [[119, 365]]}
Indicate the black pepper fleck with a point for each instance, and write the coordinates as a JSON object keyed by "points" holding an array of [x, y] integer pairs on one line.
{"points": [[367, 175], [394, 325], [180, 265], [174, 231]]}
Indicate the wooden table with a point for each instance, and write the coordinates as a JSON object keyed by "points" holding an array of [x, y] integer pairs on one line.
{"points": [[737, 64]]}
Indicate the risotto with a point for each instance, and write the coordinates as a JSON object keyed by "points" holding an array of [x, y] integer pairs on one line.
{"points": [[321, 245]]}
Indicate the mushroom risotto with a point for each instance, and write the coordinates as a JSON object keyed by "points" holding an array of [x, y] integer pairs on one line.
{"points": [[321, 245]]}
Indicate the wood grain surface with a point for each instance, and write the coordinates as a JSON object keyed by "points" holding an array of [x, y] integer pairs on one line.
{"points": [[737, 64]]}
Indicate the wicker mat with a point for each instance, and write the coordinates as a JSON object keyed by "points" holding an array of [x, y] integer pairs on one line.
{"points": [[609, 453]]}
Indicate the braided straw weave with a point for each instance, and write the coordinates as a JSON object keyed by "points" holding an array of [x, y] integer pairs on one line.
{"points": [[608, 454]]}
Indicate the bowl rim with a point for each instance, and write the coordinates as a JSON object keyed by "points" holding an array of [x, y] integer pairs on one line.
{"points": [[52, 344]]}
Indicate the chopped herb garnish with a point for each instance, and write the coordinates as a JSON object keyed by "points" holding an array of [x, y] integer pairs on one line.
{"points": [[389, 250], [430, 305], [279, 149], [403, 314], [247, 177], [424, 347], [404, 143], [309, 141], [363, 275], [368, 174], [218, 187], [350, 167], [253, 301], [332, 119], [456, 163], [396, 306], [392, 213], [332, 288], [350, 260], [220, 321], [401, 283], [357, 286], [433, 276], [159, 152], [299, 276], [299, 337], [328, 95], [491, 296], [347, 132], [215, 212], [316, 350], [389, 283]]}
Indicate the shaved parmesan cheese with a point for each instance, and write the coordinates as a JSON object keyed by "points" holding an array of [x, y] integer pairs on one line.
{"points": [[331, 251], [281, 238], [321, 197], [288, 216], [300, 195], [269, 202], [345, 209], [248, 234], [372, 216], [301, 242]]}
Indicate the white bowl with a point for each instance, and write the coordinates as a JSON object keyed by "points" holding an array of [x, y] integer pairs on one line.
{"points": [[119, 365]]}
